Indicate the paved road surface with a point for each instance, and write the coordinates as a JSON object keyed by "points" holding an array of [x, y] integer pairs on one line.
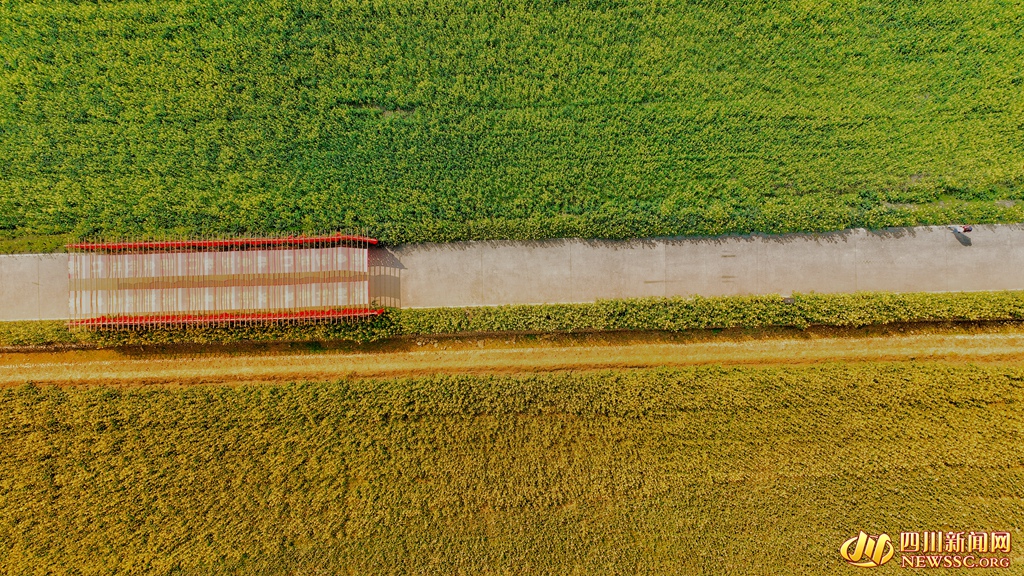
{"points": [[34, 287], [927, 259]]}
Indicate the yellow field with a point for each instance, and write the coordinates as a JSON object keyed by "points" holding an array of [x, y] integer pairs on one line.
{"points": [[696, 470], [740, 452]]}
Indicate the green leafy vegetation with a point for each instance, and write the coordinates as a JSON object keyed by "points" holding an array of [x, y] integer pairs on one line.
{"points": [[696, 471], [41, 333], [32, 244], [529, 119], [676, 314], [668, 314]]}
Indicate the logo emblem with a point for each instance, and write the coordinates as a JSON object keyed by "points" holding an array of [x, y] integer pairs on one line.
{"points": [[867, 551]]}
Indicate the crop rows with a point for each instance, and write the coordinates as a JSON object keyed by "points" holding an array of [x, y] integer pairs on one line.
{"points": [[454, 120]]}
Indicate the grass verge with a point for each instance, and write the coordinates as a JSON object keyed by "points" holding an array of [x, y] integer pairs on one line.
{"points": [[665, 314]]}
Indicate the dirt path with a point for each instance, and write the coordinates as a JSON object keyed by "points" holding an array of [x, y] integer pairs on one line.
{"points": [[106, 367]]}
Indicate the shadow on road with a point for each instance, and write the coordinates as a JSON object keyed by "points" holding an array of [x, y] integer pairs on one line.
{"points": [[385, 277], [962, 238]]}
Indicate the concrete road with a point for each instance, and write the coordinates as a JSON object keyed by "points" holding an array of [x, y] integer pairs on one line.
{"points": [[34, 287], [926, 259]]}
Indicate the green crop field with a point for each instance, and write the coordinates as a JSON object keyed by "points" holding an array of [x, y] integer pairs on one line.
{"points": [[695, 471], [448, 120]]}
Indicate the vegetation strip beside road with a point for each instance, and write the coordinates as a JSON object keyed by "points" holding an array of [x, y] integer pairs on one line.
{"points": [[642, 314]]}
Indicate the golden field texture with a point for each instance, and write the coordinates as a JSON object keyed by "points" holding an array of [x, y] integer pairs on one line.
{"points": [[696, 470]]}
